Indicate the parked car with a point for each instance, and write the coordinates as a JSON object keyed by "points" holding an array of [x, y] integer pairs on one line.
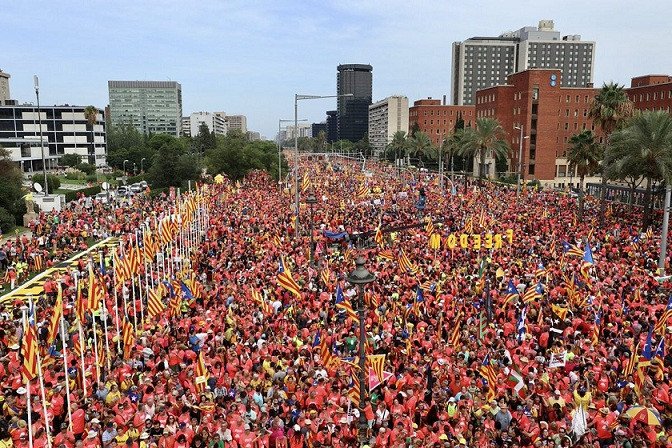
{"points": [[103, 197], [136, 188], [144, 184], [123, 191]]}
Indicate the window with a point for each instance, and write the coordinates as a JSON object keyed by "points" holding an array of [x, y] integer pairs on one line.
{"points": [[567, 99], [585, 112], [535, 93], [577, 98], [566, 112], [566, 126], [531, 170], [576, 112], [576, 126]]}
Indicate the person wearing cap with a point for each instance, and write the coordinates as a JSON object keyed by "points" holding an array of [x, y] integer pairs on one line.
{"points": [[64, 437]]}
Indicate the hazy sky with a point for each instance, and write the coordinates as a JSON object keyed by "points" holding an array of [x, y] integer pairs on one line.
{"points": [[251, 57]]}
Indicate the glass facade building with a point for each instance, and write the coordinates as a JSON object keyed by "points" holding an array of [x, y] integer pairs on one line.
{"points": [[150, 106], [353, 112]]}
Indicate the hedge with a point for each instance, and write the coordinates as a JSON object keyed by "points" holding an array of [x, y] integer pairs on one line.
{"points": [[72, 195]]}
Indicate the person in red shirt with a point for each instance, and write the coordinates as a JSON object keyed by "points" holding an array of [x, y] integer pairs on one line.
{"points": [[65, 437]]}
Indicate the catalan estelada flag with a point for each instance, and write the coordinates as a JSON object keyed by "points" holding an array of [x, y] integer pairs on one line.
{"points": [[488, 372], [587, 262], [571, 250], [343, 303], [511, 293], [154, 304], [55, 320], [662, 320], [38, 262], [405, 264], [286, 280], [595, 335], [377, 363]]}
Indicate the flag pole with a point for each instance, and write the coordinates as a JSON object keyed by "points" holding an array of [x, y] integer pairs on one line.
{"points": [[104, 315], [65, 367], [116, 307], [24, 309], [41, 379], [142, 312], [82, 347]]}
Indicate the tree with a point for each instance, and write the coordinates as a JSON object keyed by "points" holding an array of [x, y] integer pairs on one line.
{"points": [[70, 160], [364, 146], [396, 149], [172, 165], [53, 182], [415, 127], [12, 207], [204, 140], [123, 136], [487, 137], [609, 109], [91, 115], [320, 141], [420, 145], [583, 155], [646, 143], [236, 156]]}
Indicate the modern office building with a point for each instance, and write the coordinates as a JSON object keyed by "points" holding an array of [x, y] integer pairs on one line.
{"points": [[316, 128], [4, 89], [186, 127], [437, 119], [332, 126], [235, 122], [305, 130], [482, 62], [549, 115], [386, 117], [353, 112], [150, 106], [215, 123], [253, 136], [65, 130]]}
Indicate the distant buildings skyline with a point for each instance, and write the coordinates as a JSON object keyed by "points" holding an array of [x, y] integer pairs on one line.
{"points": [[353, 111]]}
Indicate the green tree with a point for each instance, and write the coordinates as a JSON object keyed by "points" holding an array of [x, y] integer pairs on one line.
{"points": [[70, 160], [396, 149], [364, 146], [646, 142], [53, 182], [86, 168], [172, 165], [204, 140], [421, 146], [415, 127], [123, 136], [320, 141], [610, 108], [235, 156], [487, 137], [584, 155], [91, 115], [12, 207]]}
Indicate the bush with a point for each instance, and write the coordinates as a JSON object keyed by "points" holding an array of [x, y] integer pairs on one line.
{"points": [[92, 178], [53, 182], [86, 168], [7, 221], [72, 195]]}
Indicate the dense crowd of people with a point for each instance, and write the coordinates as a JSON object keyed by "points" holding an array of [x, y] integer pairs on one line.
{"points": [[524, 345]]}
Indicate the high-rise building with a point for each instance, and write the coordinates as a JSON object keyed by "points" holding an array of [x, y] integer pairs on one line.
{"points": [[253, 136], [438, 120], [150, 106], [651, 92], [186, 127], [235, 122], [386, 117], [316, 128], [215, 123], [4, 88], [65, 130], [482, 62], [332, 126], [353, 112], [305, 130]]}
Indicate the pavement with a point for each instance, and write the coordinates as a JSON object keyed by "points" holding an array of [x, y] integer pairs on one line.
{"points": [[34, 287]]}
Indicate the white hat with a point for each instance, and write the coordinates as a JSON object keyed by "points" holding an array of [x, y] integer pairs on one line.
{"points": [[14, 347], [93, 434], [21, 390], [308, 421], [297, 428]]}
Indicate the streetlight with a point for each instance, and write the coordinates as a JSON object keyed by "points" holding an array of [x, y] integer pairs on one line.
{"points": [[280, 121], [311, 200], [142, 165], [39, 118], [298, 97], [361, 277], [520, 157], [134, 168], [124, 165], [663, 234]]}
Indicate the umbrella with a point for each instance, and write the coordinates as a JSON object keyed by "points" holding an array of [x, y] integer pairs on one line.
{"points": [[645, 415]]}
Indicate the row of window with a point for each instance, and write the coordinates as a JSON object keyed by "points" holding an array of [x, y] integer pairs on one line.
{"points": [[648, 96]]}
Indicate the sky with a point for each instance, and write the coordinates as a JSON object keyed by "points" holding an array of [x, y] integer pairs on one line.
{"points": [[250, 57]]}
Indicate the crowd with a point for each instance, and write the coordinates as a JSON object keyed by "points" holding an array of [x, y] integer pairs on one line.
{"points": [[470, 359]]}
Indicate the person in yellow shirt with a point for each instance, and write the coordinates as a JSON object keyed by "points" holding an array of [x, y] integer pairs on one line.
{"points": [[582, 396]]}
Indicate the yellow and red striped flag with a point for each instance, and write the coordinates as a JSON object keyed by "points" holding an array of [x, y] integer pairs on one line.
{"points": [[429, 227], [29, 353], [128, 337], [200, 375], [154, 304], [286, 280], [378, 238], [55, 320], [662, 320], [455, 335], [265, 307], [377, 363], [354, 392]]}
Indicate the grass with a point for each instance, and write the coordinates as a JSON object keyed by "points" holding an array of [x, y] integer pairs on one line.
{"points": [[65, 180]]}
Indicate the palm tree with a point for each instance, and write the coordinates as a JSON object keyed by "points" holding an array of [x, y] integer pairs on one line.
{"points": [[397, 147], [487, 137], [91, 116], [420, 145], [646, 142], [584, 156], [609, 109]]}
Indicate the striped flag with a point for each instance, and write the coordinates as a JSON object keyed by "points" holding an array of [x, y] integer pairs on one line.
{"points": [[377, 363], [344, 304], [429, 227], [386, 255], [29, 368], [595, 335], [38, 262], [632, 362], [154, 304], [540, 271], [487, 370], [571, 250], [588, 262], [128, 337], [662, 320], [405, 264], [511, 293], [200, 374], [378, 238], [362, 191], [324, 276], [306, 183], [469, 226], [455, 335], [286, 280], [55, 320], [532, 294], [561, 312], [265, 307], [481, 220], [354, 392]]}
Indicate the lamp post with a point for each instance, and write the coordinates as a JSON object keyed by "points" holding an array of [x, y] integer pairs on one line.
{"points": [[135, 168], [520, 157], [297, 98], [39, 119], [311, 200], [361, 277], [663, 233], [124, 166], [142, 164]]}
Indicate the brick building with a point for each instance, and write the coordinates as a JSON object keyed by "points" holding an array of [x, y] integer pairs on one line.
{"points": [[437, 119], [549, 114], [651, 92]]}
